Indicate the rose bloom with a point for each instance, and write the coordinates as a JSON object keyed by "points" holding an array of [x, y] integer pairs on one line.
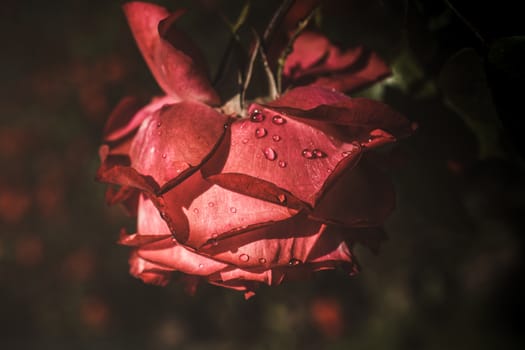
{"points": [[240, 202]]}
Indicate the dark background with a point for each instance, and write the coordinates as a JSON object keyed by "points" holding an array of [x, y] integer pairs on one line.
{"points": [[449, 277]]}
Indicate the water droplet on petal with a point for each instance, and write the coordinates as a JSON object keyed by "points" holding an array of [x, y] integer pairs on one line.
{"points": [[256, 116], [329, 171], [269, 153], [211, 204], [318, 153], [347, 153], [164, 155], [201, 266], [159, 124], [294, 262], [276, 138], [262, 260], [282, 198], [260, 132], [244, 257], [213, 242], [233, 210], [282, 164], [308, 154], [245, 141], [278, 120], [196, 210]]}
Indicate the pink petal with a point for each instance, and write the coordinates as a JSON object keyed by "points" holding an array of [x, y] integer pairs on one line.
{"points": [[179, 258], [284, 243], [149, 220], [313, 54], [247, 287], [172, 59], [232, 274], [200, 212], [128, 116], [176, 139], [280, 156], [148, 272]]}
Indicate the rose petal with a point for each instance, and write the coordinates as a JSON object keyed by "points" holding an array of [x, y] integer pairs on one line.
{"points": [[360, 116], [126, 176], [308, 50], [171, 62], [278, 150], [362, 197], [148, 272], [179, 258], [313, 54], [372, 70], [176, 139], [337, 62], [371, 237], [326, 252], [284, 243], [201, 212], [309, 97], [127, 116]]}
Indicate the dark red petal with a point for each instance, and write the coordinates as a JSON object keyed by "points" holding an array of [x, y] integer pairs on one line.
{"points": [[371, 237], [171, 62], [360, 116], [278, 156], [136, 239], [373, 70], [126, 176], [176, 139], [337, 61], [362, 197], [308, 50]]}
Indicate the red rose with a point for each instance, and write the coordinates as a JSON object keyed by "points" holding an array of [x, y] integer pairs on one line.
{"points": [[238, 202]]}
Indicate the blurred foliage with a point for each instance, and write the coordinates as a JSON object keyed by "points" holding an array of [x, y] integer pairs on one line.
{"points": [[450, 276]]}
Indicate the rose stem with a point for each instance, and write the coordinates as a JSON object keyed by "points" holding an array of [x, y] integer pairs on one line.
{"points": [[234, 39], [277, 16]]}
